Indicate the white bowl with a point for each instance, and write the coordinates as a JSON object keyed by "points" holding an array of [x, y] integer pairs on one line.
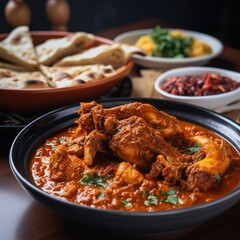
{"points": [[212, 101], [158, 62]]}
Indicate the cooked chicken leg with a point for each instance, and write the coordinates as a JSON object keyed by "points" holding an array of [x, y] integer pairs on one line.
{"points": [[161, 121], [205, 173], [166, 124], [135, 142]]}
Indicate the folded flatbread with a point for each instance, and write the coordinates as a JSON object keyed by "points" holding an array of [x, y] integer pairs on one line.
{"points": [[25, 66], [13, 66], [18, 48], [53, 50], [72, 76], [116, 55], [10, 79]]}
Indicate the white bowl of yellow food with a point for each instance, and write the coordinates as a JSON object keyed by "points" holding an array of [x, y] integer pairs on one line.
{"points": [[202, 49]]}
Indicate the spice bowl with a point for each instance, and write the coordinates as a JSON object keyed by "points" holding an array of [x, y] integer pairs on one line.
{"points": [[202, 97]]}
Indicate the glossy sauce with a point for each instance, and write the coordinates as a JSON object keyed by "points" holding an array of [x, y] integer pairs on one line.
{"points": [[151, 195]]}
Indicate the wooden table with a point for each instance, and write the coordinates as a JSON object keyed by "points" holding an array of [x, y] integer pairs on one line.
{"points": [[23, 218]]}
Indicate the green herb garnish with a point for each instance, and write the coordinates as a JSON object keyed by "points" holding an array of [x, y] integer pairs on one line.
{"points": [[144, 193], [168, 193], [94, 180], [126, 204], [171, 196], [218, 177], [193, 149], [169, 46], [61, 140], [101, 195], [151, 200], [173, 199]]}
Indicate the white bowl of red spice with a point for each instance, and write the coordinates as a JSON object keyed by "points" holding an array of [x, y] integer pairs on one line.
{"points": [[203, 86]]}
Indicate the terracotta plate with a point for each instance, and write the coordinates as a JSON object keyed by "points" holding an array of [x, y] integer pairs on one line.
{"points": [[39, 100]]}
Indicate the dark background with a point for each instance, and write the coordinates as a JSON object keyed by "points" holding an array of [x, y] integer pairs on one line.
{"points": [[220, 18]]}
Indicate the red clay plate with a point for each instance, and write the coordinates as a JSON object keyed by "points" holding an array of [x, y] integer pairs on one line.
{"points": [[39, 100]]}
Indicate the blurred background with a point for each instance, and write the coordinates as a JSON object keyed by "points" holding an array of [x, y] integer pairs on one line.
{"points": [[219, 18]]}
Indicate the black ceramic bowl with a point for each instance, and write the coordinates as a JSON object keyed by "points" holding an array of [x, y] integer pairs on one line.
{"points": [[29, 139]]}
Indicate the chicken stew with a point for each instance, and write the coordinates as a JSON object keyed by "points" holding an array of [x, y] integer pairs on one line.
{"points": [[134, 157]]}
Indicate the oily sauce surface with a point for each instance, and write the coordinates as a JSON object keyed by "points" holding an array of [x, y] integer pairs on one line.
{"points": [[99, 191]]}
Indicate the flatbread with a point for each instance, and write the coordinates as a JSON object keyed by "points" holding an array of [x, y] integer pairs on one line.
{"points": [[73, 76], [53, 50], [10, 79], [13, 66], [94, 64], [18, 48], [116, 55], [130, 50]]}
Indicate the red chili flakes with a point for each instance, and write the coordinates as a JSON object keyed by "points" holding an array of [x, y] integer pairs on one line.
{"points": [[200, 85]]}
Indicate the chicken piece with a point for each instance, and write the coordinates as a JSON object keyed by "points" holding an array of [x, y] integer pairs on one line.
{"points": [[127, 174], [91, 117], [86, 107], [173, 173], [168, 125], [134, 132], [170, 169], [156, 168], [65, 167], [94, 142], [85, 125], [85, 121], [75, 146], [76, 149], [204, 174], [135, 142], [98, 116]]}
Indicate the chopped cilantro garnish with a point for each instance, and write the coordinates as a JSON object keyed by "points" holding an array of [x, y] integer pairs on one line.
{"points": [[168, 45], [168, 197], [126, 204], [151, 200], [94, 180], [61, 140], [171, 196], [101, 196], [170, 192], [218, 177], [173, 199], [144, 193], [193, 149]]}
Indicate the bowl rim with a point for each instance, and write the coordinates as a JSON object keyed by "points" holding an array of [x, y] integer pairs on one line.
{"points": [[233, 194], [196, 71], [217, 47]]}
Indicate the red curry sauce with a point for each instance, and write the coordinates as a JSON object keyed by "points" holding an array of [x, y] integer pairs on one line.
{"points": [[99, 191]]}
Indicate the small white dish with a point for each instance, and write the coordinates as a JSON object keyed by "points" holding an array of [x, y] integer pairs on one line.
{"points": [[167, 63], [212, 101]]}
